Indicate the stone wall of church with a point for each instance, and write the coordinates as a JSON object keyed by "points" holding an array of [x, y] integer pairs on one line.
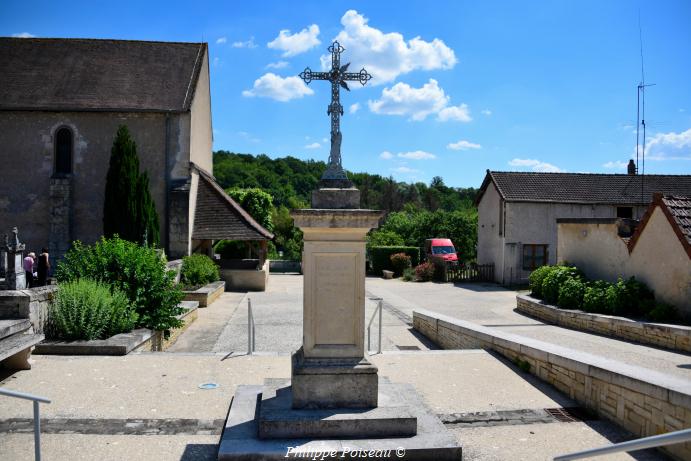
{"points": [[27, 159]]}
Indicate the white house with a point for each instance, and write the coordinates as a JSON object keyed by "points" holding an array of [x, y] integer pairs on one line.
{"points": [[518, 212]]}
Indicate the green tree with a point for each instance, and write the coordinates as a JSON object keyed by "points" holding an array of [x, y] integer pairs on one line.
{"points": [[256, 202], [128, 209]]}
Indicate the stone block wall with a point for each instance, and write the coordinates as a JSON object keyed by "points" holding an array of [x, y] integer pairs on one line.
{"points": [[642, 401], [30, 304], [673, 337]]}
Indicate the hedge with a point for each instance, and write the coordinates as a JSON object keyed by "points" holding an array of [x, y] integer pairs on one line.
{"points": [[380, 257]]}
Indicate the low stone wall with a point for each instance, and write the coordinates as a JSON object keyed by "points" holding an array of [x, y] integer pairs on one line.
{"points": [[673, 337], [206, 294], [175, 265], [642, 401], [246, 279], [31, 303], [283, 266]]}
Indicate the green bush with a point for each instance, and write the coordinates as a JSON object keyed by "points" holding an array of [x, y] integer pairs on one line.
{"points": [[138, 271], [380, 256], [595, 297], [628, 298], [408, 274], [663, 312], [571, 294], [554, 280], [198, 270], [400, 262], [86, 309], [424, 272], [384, 238], [537, 277]]}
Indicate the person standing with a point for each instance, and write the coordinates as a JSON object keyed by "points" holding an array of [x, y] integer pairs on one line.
{"points": [[29, 262], [43, 267]]}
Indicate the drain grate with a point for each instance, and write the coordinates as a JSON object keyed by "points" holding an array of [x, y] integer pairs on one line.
{"points": [[569, 414], [407, 348]]}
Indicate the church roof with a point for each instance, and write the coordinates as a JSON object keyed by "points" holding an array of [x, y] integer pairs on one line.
{"points": [[219, 217], [590, 188], [98, 75]]}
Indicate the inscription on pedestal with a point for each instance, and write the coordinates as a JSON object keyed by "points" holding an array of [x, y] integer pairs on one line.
{"points": [[335, 298]]}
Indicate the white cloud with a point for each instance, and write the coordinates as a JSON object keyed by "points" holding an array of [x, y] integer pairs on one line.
{"points": [[221, 40], [314, 145], [405, 169], [669, 146], [417, 155], [418, 103], [277, 65], [486, 112], [463, 145], [23, 35], [388, 55], [455, 113], [354, 108], [386, 155], [281, 89], [216, 61], [294, 44], [247, 44], [535, 165], [615, 165], [324, 140]]}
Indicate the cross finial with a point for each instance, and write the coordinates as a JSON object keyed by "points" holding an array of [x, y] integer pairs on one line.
{"points": [[338, 76]]}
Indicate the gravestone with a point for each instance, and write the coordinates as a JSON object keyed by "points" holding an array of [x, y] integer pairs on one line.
{"points": [[15, 278], [335, 402]]}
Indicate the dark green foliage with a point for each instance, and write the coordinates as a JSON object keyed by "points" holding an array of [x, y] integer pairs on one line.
{"points": [[537, 277], [400, 262], [136, 270], [554, 279], [629, 298], [256, 202], [663, 312], [380, 257], [595, 297], [128, 209], [232, 249], [382, 238], [198, 270], [408, 274], [288, 237], [86, 309], [571, 294], [424, 272]]}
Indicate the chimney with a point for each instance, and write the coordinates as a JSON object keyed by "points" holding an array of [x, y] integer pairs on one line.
{"points": [[631, 168]]}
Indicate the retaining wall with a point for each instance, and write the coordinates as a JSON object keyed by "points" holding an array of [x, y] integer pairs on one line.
{"points": [[642, 401], [31, 303]]}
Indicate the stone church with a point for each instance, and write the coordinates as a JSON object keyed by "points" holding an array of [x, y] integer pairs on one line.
{"points": [[61, 102]]}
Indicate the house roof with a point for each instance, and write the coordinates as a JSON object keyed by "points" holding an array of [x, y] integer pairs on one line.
{"points": [[615, 189], [677, 210], [98, 75], [219, 217]]}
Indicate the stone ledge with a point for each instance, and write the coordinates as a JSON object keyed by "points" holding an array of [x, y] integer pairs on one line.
{"points": [[672, 337], [206, 294]]}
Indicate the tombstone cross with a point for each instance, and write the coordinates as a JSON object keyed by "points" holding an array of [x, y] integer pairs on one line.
{"points": [[338, 76]]}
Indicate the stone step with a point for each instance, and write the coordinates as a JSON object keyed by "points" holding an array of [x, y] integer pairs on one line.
{"points": [[8, 327], [16, 343]]}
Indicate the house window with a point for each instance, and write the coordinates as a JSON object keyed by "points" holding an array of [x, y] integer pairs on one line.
{"points": [[534, 256], [625, 212], [63, 152]]}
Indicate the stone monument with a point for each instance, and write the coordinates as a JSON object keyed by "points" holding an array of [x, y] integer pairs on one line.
{"points": [[335, 403], [15, 278]]}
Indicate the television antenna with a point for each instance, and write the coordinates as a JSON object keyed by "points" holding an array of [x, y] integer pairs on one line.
{"points": [[640, 116]]}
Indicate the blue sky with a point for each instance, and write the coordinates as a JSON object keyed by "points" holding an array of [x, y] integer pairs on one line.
{"points": [[458, 88]]}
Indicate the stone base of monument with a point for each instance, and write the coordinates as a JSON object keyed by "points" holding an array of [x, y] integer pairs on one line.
{"points": [[332, 198], [263, 425]]}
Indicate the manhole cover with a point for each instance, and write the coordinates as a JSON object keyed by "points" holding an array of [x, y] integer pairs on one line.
{"points": [[408, 348], [208, 386]]}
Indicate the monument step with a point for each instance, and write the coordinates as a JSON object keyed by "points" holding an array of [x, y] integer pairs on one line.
{"points": [[278, 420], [8, 327], [17, 343]]}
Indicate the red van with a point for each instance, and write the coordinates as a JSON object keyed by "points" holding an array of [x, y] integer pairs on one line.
{"points": [[441, 250]]}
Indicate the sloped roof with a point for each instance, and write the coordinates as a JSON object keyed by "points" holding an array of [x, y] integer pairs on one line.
{"points": [[219, 217], [98, 75], [677, 210], [615, 189]]}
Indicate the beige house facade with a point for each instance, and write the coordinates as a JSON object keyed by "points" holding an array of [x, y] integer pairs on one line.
{"points": [[657, 253], [61, 103], [518, 212]]}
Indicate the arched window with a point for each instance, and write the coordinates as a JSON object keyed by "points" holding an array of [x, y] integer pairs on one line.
{"points": [[63, 151]]}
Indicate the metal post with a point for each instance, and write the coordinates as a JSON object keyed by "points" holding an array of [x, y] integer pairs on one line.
{"points": [[249, 326], [37, 432], [380, 309]]}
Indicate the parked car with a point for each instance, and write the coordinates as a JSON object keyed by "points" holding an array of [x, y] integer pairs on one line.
{"points": [[441, 251]]}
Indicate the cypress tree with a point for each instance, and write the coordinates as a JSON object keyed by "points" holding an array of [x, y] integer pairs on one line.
{"points": [[128, 209]]}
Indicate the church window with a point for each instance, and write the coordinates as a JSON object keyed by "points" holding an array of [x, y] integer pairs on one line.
{"points": [[63, 151]]}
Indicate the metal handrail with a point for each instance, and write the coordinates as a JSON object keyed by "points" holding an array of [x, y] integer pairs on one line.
{"points": [[37, 416], [369, 325], [250, 328], [654, 441]]}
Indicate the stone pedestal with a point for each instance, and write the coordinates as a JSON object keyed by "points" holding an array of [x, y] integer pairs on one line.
{"points": [[15, 278]]}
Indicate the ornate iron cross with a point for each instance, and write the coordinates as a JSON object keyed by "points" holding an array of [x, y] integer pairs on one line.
{"points": [[338, 76]]}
